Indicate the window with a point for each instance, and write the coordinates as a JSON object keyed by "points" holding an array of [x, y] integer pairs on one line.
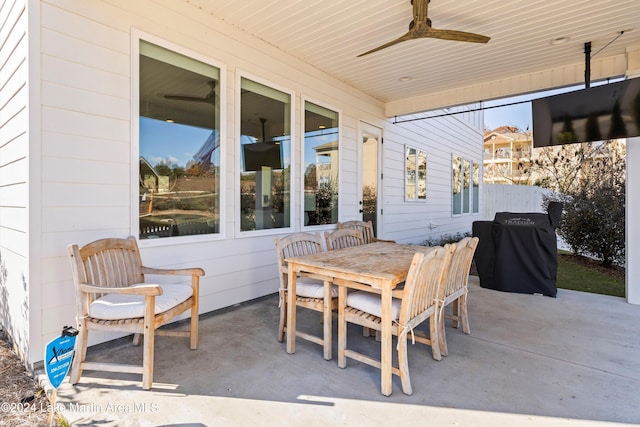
{"points": [[457, 186], [265, 155], [410, 174], [320, 164], [476, 187], [465, 184], [415, 182], [179, 141], [422, 175]]}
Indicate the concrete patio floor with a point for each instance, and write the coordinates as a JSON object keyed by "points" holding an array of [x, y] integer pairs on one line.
{"points": [[529, 361]]}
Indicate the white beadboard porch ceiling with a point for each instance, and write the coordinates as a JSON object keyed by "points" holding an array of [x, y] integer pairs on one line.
{"points": [[329, 34]]}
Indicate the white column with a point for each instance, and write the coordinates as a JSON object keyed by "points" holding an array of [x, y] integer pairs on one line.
{"points": [[632, 226]]}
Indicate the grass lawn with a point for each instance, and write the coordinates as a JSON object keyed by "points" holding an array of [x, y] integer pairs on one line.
{"points": [[583, 274]]}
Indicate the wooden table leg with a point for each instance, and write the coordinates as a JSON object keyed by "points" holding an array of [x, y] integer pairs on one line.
{"points": [[327, 314], [291, 310], [342, 327], [386, 343]]}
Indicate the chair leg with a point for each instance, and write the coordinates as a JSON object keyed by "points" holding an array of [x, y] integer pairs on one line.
{"points": [[403, 365], [195, 313], [442, 336], [148, 344], [80, 354], [193, 333], [434, 335], [464, 314], [283, 316], [456, 313], [137, 339]]}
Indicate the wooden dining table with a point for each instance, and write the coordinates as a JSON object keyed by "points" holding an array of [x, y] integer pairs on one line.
{"points": [[375, 267]]}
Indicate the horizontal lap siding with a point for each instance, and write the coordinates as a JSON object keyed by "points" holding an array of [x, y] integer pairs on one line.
{"points": [[15, 304]]}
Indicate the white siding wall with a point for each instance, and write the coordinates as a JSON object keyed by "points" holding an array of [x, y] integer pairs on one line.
{"points": [[84, 143], [14, 155], [441, 138]]}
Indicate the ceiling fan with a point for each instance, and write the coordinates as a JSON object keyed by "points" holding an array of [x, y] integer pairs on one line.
{"points": [[209, 98], [420, 27]]}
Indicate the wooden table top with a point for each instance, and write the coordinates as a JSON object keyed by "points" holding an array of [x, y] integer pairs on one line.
{"points": [[376, 264]]}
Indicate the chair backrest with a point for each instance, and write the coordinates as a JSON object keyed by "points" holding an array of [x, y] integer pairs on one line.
{"points": [[458, 274], [343, 238], [296, 244], [366, 227], [425, 282], [107, 263]]}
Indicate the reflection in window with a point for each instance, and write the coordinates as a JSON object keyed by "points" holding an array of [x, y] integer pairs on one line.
{"points": [[179, 145], [265, 153], [476, 187], [321, 142], [422, 175], [457, 185], [410, 174], [466, 187]]}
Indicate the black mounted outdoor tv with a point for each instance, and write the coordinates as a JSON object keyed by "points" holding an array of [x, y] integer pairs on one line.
{"points": [[594, 114]]}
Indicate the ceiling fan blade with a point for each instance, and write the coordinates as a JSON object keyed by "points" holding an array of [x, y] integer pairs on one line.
{"points": [[459, 36], [407, 36]]}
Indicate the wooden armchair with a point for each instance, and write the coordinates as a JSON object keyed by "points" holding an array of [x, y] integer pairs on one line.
{"points": [[455, 288], [313, 293], [366, 227], [343, 238], [111, 295], [414, 304]]}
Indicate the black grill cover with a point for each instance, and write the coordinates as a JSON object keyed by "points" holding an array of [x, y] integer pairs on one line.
{"points": [[517, 252]]}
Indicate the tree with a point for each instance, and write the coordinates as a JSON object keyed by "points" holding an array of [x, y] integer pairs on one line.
{"points": [[593, 222], [559, 168]]}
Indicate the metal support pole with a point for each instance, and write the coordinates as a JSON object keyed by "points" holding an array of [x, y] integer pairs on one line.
{"points": [[587, 64]]}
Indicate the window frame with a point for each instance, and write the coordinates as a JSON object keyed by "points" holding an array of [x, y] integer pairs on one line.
{"points": [[136, 37], [237, 165], [299, 159]]}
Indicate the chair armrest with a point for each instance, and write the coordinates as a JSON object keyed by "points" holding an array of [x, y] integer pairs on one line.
{"points": [[174, 272], [141, 289]]}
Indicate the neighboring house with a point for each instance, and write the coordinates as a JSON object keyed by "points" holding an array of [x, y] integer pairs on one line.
{"points": [[224, 123], [507, 157]]}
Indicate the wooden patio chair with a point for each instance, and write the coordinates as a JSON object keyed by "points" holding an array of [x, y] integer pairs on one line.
{"points": [[366, 227], [344, 238], [412, 305], [455, 289], [112, 296], [312, 292]]}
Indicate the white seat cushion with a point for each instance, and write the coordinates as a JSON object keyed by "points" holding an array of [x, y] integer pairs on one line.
{"points": [[313, 288], [121, 306], [372, 303]]}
